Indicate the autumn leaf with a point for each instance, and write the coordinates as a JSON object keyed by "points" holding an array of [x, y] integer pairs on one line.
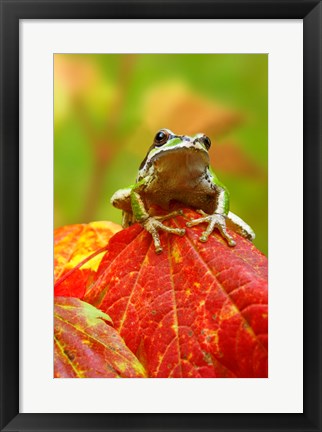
{"points": [[196, 310], [86, 346], [72, 245]]}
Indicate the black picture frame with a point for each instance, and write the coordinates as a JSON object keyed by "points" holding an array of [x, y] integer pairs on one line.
{"points": [[11, 12]]}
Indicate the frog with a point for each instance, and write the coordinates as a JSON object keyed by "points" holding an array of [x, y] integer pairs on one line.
{"points": [[177, 169]]}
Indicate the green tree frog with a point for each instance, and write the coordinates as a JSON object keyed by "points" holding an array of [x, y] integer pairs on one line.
{"points": [[176, 169]]}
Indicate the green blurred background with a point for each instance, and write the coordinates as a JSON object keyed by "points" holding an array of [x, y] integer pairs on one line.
{"points": [[107, 109]]}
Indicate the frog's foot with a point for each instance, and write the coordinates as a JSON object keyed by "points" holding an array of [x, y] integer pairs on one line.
{"points": [[238, 225], [153, 224], [214, 221]]}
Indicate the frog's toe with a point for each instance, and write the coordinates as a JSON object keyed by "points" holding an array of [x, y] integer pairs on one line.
{"points": [[178, 231], [169, 215], [231, 242], [153, 225], [191, 223], [224, 233], [181, 232], [158, 249], [214, 221], [204, 237], [202, 212], [151, 228], [198, 221]]}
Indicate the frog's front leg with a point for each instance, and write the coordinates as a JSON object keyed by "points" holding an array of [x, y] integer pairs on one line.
{"points": [[241, 227], [217, 219], [152, 223]]}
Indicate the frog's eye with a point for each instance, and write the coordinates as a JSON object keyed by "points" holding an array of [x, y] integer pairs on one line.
{"points": [[206, 141], [161, 138]]}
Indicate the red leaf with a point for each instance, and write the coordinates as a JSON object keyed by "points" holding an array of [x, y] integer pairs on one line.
{"points": [[72, 245], [196, 310], [87, 347]]}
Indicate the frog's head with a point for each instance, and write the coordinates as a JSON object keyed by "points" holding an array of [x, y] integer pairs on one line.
{"points": [[173, 151]]}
